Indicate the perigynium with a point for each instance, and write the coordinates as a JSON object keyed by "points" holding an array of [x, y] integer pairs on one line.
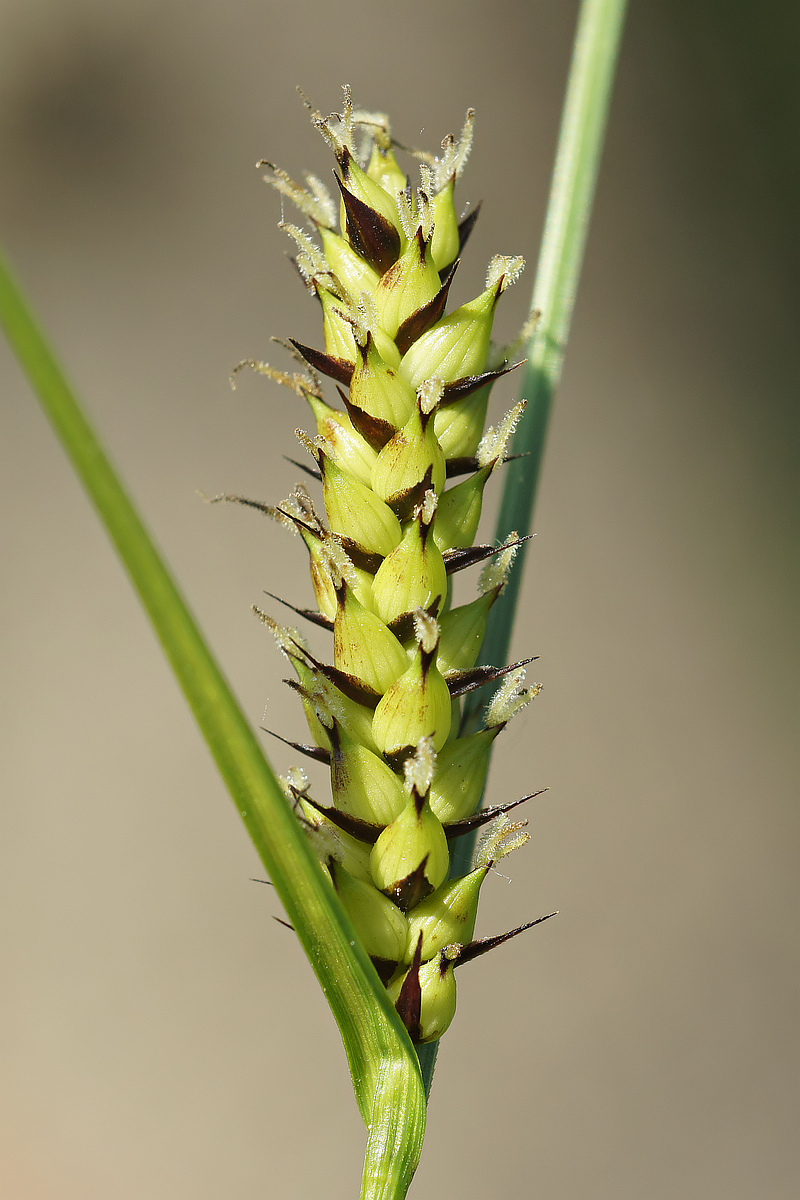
{"points": [[401, 463]]}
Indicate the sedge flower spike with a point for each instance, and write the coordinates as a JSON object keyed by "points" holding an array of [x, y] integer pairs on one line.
{"points": [[385, 714]]}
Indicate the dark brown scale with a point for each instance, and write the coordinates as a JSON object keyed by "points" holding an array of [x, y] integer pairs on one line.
{"points": [[403, 626], [412, 890], [315, 752], [457, 828], [385, 968], [365, 560], [459, 389], [349, 685], [372, 237], [397, 758], [467, 466], [461, 682], [317, 475], [365, 831], [311, 614], [340, 369], [375, 431], [460, 559], [404, 503], [424, 318], [409, 1002], [484, 945]]}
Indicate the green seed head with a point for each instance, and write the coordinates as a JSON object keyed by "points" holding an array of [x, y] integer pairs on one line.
{"points": [[460, 511], [360, 517], [408, 286], [458, 345], [410, 463], [355, 275], [414, 383], [350, 450], [378, 390], [448, 915], [461, 775], [446, 241], [363, 646], [379, 923], [338, 328], [413, 576], [462, 631], [362, 784], [459, 426], [383, 167], [437, 1000], [417, 706], [410, 858]]}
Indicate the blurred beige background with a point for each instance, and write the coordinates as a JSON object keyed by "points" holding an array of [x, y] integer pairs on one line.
{"points": [[162, 1035]]}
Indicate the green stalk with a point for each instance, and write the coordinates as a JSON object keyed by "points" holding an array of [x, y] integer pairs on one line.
{"points": [[569, 208], [383, 1064]]}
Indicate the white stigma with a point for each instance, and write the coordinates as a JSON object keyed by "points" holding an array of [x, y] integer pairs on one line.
{"points": [[501, 837], [456, 153], [289, 640], [495, 573], [315, 202], [419, 768], [504, 270], [492, 447], [426, 629], [510, 698], [430, 393], [337, 562], [294, 783], [427, 509]]}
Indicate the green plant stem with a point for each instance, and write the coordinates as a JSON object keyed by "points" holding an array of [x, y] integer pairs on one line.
{"points": [[569, 208], [384, 1066]]}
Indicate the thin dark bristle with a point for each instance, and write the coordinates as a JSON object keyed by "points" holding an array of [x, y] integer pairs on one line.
{"points": [[311, 614], [460, 682], [304, 467], [315, 752], [484, 945], [467, 824]]}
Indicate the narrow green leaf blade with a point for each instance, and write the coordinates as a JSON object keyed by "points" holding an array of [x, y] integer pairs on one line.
{"points": [[560, 260], [580, 145]]}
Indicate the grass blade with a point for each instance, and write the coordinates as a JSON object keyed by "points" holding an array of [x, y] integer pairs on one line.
{"points": [[560, 259], [569, 208], [383, 1063]]}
